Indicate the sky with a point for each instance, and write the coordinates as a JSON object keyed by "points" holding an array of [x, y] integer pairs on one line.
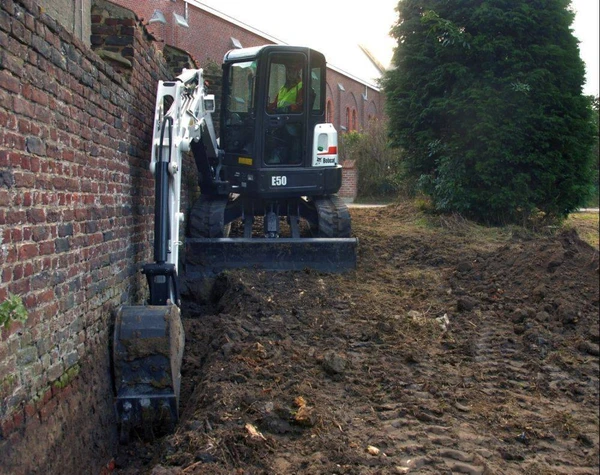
{"points": [[337, 27]]}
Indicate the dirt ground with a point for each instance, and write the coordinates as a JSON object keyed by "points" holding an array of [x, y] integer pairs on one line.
{"points": [[451, 349]]}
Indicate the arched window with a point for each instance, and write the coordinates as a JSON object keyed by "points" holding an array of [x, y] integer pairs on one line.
{"points": [[354, 120], [348, 123]]}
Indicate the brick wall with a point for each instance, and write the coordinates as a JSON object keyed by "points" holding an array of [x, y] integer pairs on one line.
{"points": [[73, 15], [349, 189], [76, 203], [208, 36]]}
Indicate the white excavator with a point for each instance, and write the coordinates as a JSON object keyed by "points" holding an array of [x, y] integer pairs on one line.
{"points": [[276, 160]]}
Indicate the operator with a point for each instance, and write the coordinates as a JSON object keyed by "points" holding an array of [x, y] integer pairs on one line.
{"points": [[289, 97]]}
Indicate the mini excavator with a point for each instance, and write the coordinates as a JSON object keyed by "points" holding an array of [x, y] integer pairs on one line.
{"points": [[276, 161]]}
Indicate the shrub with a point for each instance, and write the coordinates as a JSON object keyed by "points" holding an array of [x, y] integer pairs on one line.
{"points": [[379, 166]]}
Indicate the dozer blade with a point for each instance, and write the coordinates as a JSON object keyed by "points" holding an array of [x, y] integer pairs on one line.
{"points": [[206, 257], [147, 356]]}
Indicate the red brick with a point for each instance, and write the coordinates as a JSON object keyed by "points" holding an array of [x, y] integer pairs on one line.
{"points": [[15, 217], [28, 269], [28, 251], [45, 296], [17, 272], [47, 410], [34, 94], [9, 82], [46, 248], [20, 287], [25, 180], [12, 140], [23, 107]]}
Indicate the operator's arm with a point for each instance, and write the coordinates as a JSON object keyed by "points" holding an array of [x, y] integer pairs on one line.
{"points": [[298, 106], [272, 106]]}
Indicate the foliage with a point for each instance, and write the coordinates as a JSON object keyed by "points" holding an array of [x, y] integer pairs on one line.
{"points": [[486, 103], [12, 309], [594, 200], [378, 165]]}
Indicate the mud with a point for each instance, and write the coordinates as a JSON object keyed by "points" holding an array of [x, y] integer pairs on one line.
{"points": [[451, 349]]}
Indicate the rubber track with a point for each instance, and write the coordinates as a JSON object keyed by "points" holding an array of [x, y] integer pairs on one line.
{"points": [[207, 218], [334, 217]]}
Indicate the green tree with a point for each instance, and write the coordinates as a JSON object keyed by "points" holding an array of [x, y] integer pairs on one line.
{"points": [[486, 103], [595, 155]]}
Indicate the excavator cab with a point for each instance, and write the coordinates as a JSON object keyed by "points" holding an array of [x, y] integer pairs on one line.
{"points": [[273, 99]]}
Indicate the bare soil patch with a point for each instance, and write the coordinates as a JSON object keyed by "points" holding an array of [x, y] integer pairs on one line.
{"points": [[451, 349]]}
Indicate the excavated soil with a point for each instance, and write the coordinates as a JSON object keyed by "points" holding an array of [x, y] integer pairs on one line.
{"points": [[451, 349]]}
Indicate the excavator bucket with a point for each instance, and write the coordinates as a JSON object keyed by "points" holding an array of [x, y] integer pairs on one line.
{"points": [[147, 355], [208, 256]]}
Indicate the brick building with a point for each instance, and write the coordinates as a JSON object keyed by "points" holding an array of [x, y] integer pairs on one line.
{"points": [[207, 34]]}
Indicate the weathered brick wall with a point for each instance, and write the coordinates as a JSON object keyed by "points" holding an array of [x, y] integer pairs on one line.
{"points": [[73, 15], [207, 38], [113, 35], [76, 202]]}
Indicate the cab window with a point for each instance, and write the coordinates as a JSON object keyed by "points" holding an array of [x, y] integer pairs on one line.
{"points": [[285, 90]]}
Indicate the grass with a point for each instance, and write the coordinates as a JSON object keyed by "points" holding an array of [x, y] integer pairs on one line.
{"points": [[369, 200], [408, 216], [586, 225]]}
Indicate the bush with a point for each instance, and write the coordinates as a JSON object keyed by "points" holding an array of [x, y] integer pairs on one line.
{"points": [[379, 166]]}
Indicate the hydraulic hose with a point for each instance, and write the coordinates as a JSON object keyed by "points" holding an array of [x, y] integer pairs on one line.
{"points": [[161, 208]]}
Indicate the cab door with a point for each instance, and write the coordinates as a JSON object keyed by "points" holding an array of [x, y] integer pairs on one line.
{"points": [[286, 110]]}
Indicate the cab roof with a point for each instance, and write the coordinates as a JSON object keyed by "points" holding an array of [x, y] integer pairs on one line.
{"points": [[253, 52]]}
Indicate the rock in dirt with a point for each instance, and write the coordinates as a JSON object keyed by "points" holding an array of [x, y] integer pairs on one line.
{"points": [[465, 304], [589, 348], [464, 266], [306, 416], [334, 363], [539, 293], [160, 470], [567, 312], [373, 450]]}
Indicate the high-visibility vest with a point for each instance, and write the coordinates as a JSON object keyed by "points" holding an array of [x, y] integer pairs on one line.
{"points": [[287, 97]]}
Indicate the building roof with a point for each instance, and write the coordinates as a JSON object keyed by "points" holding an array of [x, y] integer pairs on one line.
{"points": [[356, 63]]}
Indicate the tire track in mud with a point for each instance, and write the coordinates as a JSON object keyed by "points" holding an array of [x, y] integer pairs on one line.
{"points": [[539, 390], [525, 376]]}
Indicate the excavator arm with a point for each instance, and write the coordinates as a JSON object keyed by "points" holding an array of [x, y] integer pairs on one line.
{"points": [[149, 339]]}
